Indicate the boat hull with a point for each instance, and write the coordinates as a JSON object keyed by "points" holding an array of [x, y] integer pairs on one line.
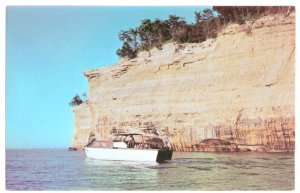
{"points": [[143, 155]]}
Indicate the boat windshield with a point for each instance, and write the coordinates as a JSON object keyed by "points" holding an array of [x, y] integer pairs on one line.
{"points": [[125, 137], [102, 144]]}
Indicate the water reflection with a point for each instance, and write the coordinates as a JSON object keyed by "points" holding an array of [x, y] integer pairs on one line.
{"points": [[123, 175], [61, 170], [195, 171]]}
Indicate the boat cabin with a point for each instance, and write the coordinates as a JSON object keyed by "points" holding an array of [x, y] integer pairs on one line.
{"points": [[129, 140], [136, 140]]}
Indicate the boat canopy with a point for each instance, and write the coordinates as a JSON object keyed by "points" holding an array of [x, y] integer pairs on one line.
{"points": [[127, 134]]}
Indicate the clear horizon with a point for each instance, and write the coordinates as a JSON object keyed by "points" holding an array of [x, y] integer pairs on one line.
{"points": [[47, 50]]}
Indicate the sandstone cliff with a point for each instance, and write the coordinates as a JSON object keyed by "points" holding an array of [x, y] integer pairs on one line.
{"points": [[237, 90]]}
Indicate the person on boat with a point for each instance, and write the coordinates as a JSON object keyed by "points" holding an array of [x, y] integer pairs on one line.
{"points": [[131, 142]]}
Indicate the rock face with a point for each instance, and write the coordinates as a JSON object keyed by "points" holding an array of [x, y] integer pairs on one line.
{"points": [[82, 126], [237, 91]]}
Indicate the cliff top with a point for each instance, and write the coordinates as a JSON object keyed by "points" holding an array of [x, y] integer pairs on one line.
{"points": [[172, 51]]}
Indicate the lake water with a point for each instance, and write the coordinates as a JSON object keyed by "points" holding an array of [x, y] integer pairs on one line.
{"points": [[59, 169]]}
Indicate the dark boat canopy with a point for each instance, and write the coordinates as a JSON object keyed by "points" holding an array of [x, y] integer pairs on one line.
{"points": [[126, 134]]}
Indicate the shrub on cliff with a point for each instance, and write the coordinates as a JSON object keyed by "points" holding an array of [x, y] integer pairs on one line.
{"points": [[76, 100]]}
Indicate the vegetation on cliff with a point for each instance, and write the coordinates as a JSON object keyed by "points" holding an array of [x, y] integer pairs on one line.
{"points": [[77, 100], [207, 25]]}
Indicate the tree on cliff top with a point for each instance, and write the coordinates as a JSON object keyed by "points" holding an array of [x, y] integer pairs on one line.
{"points": [[208, 23], [130, 43], [178, 28]]}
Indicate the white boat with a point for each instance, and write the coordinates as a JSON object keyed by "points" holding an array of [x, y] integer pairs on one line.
{"points": [[126, 148]]}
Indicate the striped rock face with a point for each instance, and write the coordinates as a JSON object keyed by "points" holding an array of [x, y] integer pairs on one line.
{"points": [[233, 92]]}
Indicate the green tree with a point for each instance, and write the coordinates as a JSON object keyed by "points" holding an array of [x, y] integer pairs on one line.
{"points": [[178, 28], [146, 33], [161, 32], [195, 33], [205, 27], [126, 51], [130, 43], [131, 37]]}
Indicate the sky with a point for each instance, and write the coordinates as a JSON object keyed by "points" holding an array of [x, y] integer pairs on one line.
{"points": [[47, 50]]}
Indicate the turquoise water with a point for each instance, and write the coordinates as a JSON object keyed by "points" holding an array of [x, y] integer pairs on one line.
{"points": [[59, 169]]}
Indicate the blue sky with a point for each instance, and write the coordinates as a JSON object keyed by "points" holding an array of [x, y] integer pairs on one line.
{"points": [[47, 50]]}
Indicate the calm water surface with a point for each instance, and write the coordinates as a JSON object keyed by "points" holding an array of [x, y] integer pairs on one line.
{"points": [[58, 169]]}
